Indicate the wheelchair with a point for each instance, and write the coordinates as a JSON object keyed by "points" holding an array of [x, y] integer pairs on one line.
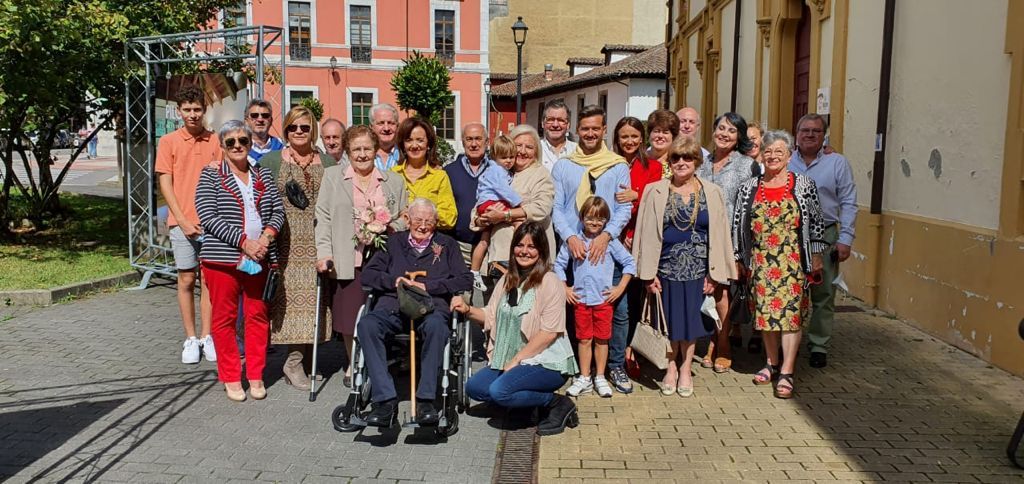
{"points": [[456, 368]]}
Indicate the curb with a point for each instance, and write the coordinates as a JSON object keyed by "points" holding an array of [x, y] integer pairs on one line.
{"points": [[46, 297]]}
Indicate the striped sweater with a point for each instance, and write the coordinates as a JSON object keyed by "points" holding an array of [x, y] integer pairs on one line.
{"points": [[220, 206]]}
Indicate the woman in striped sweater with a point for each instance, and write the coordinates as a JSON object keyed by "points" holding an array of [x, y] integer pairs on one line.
{"points": [[241, 213]]}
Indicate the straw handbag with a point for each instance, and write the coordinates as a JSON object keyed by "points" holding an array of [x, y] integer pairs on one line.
{"points": [[649, 341]]}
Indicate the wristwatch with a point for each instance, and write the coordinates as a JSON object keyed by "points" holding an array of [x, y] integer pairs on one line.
{"points": [[268, 235]]}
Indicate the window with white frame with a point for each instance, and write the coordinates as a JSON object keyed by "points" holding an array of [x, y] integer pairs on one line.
{"points": [[235, 16], [446, 125], [300, 39], [360, 33], [361, 104], [444, 35], [602, 100], [295, 96]]}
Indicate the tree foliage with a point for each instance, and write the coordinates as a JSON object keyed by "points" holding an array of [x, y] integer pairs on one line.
{"points": [[54, 55], [314, 106], [421, 85]]}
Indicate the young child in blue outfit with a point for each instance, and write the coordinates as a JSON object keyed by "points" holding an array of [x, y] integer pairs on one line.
{"points": [[494, 188], [594, 297]]}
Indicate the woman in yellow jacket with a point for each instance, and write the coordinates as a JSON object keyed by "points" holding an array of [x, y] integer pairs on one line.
{"points": [[420, 168]]}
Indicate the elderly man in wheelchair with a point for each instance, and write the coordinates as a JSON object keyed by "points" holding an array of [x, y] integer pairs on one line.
{"points": [[418, 263]]}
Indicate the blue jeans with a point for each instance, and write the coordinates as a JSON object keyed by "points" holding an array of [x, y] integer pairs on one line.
{"points": [[620, 327], [525, 386]]}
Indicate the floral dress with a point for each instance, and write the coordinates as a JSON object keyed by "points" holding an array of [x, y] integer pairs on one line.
{"points": [[780, 300]]}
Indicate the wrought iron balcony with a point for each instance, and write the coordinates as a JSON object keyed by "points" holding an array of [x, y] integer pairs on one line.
{"points": [[299, 51], [447, 57], [362, 54]]}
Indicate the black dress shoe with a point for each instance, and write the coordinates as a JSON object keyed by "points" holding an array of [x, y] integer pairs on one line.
{"points": [[819, 360], [384, 414], [561, 414], [426, 414]]}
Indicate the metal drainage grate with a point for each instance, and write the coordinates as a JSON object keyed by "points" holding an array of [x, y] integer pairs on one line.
{"points": [[517, 458]]}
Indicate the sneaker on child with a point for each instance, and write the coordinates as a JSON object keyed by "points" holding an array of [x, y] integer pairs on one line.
{"points": [[602, 386], [190, 351], [478, 281], [580, 384]]}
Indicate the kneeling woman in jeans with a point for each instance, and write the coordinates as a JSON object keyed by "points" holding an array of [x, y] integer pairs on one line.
{"points": [[530, 355]]}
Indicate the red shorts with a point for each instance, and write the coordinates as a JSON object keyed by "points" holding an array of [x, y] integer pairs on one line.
{"points": [[484, 206], [594, 321]]}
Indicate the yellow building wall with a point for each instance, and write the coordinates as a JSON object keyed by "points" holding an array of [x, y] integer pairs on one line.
{"points": [[578, 28], [748, 51]]}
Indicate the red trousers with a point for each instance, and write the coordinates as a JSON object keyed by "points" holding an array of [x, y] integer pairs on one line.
{"points": [[225, 284], [594, 321]]}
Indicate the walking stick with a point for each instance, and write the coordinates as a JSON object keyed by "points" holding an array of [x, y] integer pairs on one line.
{"points": [[412, 351], [316, 328]]}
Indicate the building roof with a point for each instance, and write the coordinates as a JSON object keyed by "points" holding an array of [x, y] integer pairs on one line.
{"points": [[503, 76], [649, 63], [624, 48], [531, 82], [586, 61]]}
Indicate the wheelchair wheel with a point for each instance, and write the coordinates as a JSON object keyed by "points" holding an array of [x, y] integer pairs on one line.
{"points": [[341, 416], [465, 366], [453, 424]]}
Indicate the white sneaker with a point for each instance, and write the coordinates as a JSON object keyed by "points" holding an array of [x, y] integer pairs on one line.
{"points": [[209, 352], [190, 351], [478, 281], [602, 386], [580, 385]]}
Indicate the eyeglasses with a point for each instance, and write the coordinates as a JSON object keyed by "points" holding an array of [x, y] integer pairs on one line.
{"points": [[776, 153], [242, 141], [260, 115], [429, 222], [305, 128]]}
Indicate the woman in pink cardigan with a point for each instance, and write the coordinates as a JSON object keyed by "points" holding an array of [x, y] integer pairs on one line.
{"points": [[530, 355]]}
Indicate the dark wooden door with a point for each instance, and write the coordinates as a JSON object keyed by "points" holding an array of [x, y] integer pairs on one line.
{"points": [[802, 66]]}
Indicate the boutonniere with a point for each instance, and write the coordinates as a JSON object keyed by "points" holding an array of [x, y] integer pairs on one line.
{"points": [[437, 248]]}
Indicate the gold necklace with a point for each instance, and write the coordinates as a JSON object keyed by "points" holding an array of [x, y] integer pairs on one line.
{"points": [[678, 220]]}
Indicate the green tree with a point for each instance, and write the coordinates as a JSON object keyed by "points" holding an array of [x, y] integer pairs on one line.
{"points": [[54, 55], [315, 106]]}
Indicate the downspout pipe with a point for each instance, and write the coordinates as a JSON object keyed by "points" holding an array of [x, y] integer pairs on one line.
{"points": [[878, 168], [735, 56], [668, 56]]}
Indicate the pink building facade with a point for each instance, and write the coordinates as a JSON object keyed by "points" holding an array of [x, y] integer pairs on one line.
{"points": [[367, 40]]}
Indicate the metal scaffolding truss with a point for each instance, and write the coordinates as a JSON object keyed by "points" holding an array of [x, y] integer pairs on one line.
{"points": [[258, 49]]}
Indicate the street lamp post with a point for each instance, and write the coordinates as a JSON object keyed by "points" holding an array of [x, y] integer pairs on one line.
{"points": [[487, 91], [519, 33]]}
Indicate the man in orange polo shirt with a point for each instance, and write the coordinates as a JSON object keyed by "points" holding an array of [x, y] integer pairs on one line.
{"points": [[180, 158]]}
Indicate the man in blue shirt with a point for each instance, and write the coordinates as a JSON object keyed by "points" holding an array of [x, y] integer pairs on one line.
{"points": [[260, 117], [594, 170], [384, 122], [837, 194]]}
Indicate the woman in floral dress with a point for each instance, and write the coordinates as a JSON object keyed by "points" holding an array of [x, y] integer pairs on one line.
{"points": [[779, 236], [298, 170]]}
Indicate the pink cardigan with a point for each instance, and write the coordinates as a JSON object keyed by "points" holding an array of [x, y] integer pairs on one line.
{"points": [[548, 312]]}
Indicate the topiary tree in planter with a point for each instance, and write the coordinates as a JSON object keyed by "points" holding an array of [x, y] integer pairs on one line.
{"points": [[422, 85], [313, 105]]}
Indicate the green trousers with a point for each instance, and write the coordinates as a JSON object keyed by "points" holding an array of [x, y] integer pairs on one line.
{"points": [[823, 298]]}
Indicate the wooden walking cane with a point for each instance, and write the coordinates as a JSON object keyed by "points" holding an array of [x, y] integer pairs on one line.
{"points": [[412, 351]]}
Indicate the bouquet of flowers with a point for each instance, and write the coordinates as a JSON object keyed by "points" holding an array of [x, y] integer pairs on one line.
{"points": [[372, 226]]}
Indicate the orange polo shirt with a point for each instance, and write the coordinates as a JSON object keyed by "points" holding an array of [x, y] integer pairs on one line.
{"points": [[184, 156]]}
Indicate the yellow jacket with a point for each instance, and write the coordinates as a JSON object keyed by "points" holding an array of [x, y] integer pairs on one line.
{"points": [[434, 186]]}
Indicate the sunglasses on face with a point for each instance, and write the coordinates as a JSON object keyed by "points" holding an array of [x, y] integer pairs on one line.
{"points": [[230, 142], [259, 115], [305, 128]]}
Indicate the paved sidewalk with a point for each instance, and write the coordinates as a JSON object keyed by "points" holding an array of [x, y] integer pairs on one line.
{"points": [[894, 404], [94, 390]]}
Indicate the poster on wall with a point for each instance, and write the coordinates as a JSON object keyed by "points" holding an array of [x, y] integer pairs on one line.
{"points": [[824, 99], [226, 98]]}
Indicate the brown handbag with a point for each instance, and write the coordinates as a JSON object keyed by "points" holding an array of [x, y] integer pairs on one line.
{"points": [[652, 343]]}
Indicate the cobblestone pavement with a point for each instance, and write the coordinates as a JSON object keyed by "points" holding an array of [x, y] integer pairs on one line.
{"points": [[893, 404], [95, 390]]}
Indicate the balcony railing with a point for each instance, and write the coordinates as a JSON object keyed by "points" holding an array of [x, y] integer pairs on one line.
{"points": [[299, 51], [362, 54], [447, 57]]}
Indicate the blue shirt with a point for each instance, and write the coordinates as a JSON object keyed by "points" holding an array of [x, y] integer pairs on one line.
{"points": [[565, 216], [590, 280], [495, 183], [257, 152], [385, 165], [837, 191]]}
